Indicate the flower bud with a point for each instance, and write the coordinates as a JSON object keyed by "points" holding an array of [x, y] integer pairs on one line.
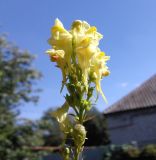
{"points": [[79, 135], [105, 73]]}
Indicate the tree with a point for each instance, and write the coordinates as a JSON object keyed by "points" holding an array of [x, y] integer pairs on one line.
{"points": [[17, 78], [17, 141], [17, 75], [96, 129]]}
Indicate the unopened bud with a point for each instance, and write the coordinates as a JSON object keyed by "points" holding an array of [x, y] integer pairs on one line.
{"points": [[79, 135], [105, 73]]}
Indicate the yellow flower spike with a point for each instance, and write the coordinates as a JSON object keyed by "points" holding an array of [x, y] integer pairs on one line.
{"points": [[82, 41]]}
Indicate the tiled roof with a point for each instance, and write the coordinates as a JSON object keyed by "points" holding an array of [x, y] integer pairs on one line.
{"points": [[143, 96]]}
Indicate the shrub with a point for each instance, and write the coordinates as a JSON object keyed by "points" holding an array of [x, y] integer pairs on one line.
{"points": [[128, 152], [125, 152], [148, 153]]}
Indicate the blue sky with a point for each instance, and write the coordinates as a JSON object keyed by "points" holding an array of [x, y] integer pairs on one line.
{"points": [[128, 26]]}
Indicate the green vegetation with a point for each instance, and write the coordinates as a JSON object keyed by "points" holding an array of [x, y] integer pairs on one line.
{"points": [[128, 152], [17, 77]]}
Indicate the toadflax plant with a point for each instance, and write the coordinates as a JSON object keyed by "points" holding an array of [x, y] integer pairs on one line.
{"points": [[83, 65]]}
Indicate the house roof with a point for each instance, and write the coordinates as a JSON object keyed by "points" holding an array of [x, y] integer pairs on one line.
{"points": [[143, 96]]}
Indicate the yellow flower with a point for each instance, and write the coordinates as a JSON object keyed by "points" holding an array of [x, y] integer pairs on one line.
{"points": [[86, 39], [58, 57], [61, 116], [99, 69], [61, 39]]}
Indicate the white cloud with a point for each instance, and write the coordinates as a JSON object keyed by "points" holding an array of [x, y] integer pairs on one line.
{"points": [[124, 84]]}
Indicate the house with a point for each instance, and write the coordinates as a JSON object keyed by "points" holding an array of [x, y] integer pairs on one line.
{"points": [[133, 118]]}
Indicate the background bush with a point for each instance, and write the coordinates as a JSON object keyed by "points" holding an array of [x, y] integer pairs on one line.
{"points": [[128, 152], [148, 152]]}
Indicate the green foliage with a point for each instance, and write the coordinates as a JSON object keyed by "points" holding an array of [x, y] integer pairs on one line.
{"points": [[17, 78], [96, 127], [148, 152], [17, 138], [125, 152], [128, 152], [17, 75]]}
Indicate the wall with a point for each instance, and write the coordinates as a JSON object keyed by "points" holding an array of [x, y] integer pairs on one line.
{"points": [[130, 126]]}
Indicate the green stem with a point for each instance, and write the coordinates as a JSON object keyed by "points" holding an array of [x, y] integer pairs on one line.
{"points": [[81, 116], [81, 119], [76, 156], [77, 153]]}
